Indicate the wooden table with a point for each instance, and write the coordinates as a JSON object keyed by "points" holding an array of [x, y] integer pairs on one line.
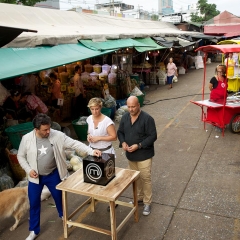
{"points": [[109, 193]]}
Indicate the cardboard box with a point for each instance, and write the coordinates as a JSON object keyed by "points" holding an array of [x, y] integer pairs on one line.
{"points": [[99, 170]]}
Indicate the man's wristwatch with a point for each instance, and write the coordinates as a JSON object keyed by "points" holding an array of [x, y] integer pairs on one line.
{"points": [[139, 146]]}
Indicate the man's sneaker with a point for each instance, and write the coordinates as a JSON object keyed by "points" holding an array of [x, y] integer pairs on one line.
{"points": [[108, 208], [32, 236], [69, 225], [140, 202], [146, 210]]}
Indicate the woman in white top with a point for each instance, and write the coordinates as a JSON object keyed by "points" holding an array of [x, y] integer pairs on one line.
{"points": [[101, 130]]}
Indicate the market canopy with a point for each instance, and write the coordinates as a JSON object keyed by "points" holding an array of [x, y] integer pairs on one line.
{"points": [[175, 42], [65, 27], [7, 34], [220, 48], [18, 61], [140, 44], [151, 45]]}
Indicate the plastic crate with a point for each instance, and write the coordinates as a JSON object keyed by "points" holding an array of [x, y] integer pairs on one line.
{"points": [[16, 132]]}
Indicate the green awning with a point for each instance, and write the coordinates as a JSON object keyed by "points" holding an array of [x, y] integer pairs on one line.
{"points": [[148, 41], [112, 44], [140, 44], [18, 61]]}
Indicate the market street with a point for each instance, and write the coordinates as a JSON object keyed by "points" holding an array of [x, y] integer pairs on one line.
{"points": [[195, 174]]}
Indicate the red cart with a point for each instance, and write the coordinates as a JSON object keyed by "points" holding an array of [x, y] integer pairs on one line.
{"points": [[216, 114]]}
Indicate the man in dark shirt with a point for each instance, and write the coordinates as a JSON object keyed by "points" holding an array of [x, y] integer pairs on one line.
{"points": [[137, 134]]}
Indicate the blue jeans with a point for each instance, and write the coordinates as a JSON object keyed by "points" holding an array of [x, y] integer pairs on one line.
{"points": [[170, 79], [34, 195]]}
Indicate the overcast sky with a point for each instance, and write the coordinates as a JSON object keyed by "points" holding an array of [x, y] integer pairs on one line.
{"points": [[232, 6]]}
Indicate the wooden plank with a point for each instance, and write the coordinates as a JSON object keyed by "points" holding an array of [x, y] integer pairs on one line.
{"points": [[65, 228], [93, 205], [126, 219], [135, 199], [113, 220], [110, 192], [79, 208], [93, 228]]}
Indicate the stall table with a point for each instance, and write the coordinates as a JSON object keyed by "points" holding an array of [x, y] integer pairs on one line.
{"points": [[109, 193]]}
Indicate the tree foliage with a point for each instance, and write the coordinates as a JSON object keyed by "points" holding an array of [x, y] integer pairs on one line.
{"points": [[23, 2], [207, 11], [154, 17]]}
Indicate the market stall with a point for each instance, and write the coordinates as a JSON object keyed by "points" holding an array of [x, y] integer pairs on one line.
{"points": [[227, 112]]}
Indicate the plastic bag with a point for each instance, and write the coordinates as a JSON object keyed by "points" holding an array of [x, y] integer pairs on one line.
{"points": [[136, 92]]}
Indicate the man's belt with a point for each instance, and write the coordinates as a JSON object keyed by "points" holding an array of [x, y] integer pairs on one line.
{"points": [[103, 149]]}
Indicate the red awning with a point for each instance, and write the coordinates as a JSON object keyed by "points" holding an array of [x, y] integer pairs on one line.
{"points": [[232, 34], [220, 48]]}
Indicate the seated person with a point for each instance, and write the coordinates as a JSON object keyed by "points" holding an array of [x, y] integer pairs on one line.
{"points": [[11, 105], [33, 104], [218, 85]]}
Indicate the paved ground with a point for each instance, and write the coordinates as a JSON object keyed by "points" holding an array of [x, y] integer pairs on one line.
{"points": [[196, 177]]}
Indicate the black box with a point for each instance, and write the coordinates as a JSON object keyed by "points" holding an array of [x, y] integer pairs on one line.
{"points": [[99, 170]]}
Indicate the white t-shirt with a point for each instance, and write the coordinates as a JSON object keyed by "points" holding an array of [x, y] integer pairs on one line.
{"points": [[101, 130]]}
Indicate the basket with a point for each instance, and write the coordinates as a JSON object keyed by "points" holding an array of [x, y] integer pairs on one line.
{"points": [[80, 130], [16, 132], [17, 170]]}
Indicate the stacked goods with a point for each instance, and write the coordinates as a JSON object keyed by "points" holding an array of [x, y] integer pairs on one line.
{"points": [[181, 70], [112, 78], [103, 76], [63, 76], [161, 74], [162, 66], [61, 69], [94, 76], [70, 69], [88, 68], [198, 62], [114, 68], [97, 68], [106, 68]]}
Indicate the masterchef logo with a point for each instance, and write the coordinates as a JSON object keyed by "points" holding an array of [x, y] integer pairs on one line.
{"points": [[93, 172], [110, 169]]}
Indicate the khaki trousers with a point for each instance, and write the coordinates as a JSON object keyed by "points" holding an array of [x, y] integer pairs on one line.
{"points": [[144, 183]]}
